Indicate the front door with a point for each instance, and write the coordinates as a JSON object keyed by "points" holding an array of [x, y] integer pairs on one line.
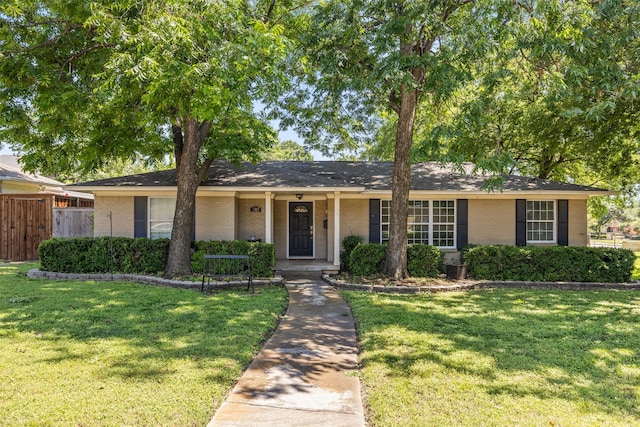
{"points": [[301, 229]]}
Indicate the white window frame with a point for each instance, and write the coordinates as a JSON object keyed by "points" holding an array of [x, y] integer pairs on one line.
{"points": [[150, 221], [386, 211], [542, 218]]}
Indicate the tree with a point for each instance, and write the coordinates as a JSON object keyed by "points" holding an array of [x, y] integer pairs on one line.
{"points": [[82, 83], [369, 59], [560, 100], [288, 150]]}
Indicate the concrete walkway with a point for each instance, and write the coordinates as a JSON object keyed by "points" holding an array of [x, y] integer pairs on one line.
{"points": [[304, 375]]}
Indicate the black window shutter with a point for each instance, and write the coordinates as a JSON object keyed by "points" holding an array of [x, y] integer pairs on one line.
{"points": [[374, 221], [563, 222], [521, 222], [462, 222], [140, 216]]}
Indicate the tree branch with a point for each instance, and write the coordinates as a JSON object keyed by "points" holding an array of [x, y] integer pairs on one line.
{"points": [[267, 16], [527, 8], [393, 101], [81, 53], [50, 42], [204, 169], [178, 139]]}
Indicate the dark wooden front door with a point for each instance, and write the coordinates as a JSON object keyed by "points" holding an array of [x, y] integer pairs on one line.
{"points": [[301, 229]]}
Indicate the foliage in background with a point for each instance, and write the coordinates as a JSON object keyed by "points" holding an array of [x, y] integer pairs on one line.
{"points": [[142, 255], [550, 264], [613, 212], [114, 353], [288, 150], [500, 357]]}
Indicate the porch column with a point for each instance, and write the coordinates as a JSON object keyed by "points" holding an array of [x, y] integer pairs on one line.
{"points": [[336, 228], [268, 237]]}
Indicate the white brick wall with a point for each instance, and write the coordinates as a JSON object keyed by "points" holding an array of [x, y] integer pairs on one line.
{"points": [[121, 208], [215, 218]]}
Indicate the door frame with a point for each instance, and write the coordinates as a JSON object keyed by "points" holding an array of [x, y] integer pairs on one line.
{"points": [[313, 230]]}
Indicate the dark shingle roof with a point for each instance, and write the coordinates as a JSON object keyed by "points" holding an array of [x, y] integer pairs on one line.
{"points": [[366, 176]]}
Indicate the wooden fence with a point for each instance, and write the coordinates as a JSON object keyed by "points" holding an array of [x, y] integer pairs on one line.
{"points": [[72, 222], [28, 219], [25, 221]]}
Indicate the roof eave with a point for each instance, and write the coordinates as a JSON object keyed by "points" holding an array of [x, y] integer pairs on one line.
{"points": [[205, 188]]}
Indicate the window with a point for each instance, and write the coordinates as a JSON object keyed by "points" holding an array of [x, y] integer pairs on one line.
{"points": [[541, 221], [430, 222], [161, 211], [444, 220]]}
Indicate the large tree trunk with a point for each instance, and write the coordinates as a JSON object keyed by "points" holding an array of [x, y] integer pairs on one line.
{"points": [[396, 262], [188, 179]]}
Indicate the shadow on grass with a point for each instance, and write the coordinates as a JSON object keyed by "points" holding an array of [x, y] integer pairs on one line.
{"points": [[578, 346], [150, 326]]}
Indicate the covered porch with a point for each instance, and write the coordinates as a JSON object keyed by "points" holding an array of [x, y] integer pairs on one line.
{"points": [[305, 227]]}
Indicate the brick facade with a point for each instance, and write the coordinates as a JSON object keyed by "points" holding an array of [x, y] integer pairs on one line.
{"points": [[121, 208]]}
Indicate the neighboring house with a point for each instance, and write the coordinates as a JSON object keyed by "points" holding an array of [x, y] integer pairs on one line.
{"points": [[307, 208], [34, 208]]}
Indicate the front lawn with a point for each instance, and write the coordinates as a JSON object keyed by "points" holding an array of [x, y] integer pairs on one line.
{"points": [[500, 357], [113, 353]]}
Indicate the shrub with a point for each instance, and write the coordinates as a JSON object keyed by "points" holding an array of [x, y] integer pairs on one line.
{"points": [[367, 259], [348, 244], [557, 263], [262, 256], [423, 260], [142, 256]]}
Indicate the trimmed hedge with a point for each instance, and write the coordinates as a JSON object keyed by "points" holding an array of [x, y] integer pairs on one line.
{"points": [[423, 260], [549, 264], [348, 244], [142, 256], [261, 255], [368, 260]]}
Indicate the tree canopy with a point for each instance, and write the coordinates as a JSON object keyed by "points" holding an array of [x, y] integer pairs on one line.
{"points": [[371, 60], [82, 84], [559, 100]]}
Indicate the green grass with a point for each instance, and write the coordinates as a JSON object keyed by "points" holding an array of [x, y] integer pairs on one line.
{"points": [[501, 357], [113, 353]]}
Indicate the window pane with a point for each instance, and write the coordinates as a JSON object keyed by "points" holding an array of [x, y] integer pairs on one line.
{"points": [[160, 229], [418, 227], [161, 211], [540, 220]]}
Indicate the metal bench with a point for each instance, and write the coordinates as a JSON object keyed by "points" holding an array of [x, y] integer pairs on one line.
{"points": [[224, 267]]}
